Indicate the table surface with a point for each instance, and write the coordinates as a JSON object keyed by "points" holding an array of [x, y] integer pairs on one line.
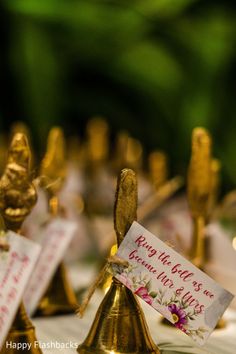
{"points": [[66, 329]]}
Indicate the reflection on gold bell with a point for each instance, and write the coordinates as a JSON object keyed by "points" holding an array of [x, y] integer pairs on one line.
{"points": [[119, 325], [59, 298]]}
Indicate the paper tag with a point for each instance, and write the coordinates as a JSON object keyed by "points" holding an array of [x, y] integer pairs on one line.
{"points": [[182, 293], [15, 269], [55, 240]]}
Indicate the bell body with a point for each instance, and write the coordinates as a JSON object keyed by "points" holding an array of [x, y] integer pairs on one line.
{"points": [[59, 298], [21, 332], [119, 326]]}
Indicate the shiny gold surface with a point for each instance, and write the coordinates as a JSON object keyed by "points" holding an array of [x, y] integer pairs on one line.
{"points": [[125, 209], [198, 191], [17, 193], [197, 255], [59, 298], [21, 127], [17, 198], [199, 173], [54, 166], [119, 325]]}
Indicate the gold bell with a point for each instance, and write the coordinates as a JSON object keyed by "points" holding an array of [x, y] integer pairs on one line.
{"points": [[203, 185], [22, 332], [59, 298], [198, 191], [119, 325], [18, 196]]}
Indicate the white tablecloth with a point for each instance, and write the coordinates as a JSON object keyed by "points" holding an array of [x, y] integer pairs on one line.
{"points": [[71, 328]]}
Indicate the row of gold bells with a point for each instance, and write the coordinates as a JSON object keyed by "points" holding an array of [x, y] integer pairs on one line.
{"points": [[119, 327], [59, 297]]}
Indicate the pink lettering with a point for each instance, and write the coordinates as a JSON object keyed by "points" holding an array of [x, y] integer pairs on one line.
{"points": [[209, 294], [141, 242], [165, 281], [185, 275]]}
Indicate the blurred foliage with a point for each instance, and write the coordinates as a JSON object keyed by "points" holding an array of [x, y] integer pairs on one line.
{"points": [[156, 68]]}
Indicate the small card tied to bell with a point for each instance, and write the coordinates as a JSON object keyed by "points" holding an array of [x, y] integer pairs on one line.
{"points": [[56, 237], [172, 285], [17, 260]]}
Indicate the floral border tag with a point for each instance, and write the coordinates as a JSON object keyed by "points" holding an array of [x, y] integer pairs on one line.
{"points": [[56, 237], [172, 285], [15, 269]]}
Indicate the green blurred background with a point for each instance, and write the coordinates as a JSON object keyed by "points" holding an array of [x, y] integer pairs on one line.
{"points": [[157, 68]]}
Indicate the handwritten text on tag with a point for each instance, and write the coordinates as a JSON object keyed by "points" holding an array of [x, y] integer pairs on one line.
{"points": [[17, 266], [182, 293], [55, 240]]}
